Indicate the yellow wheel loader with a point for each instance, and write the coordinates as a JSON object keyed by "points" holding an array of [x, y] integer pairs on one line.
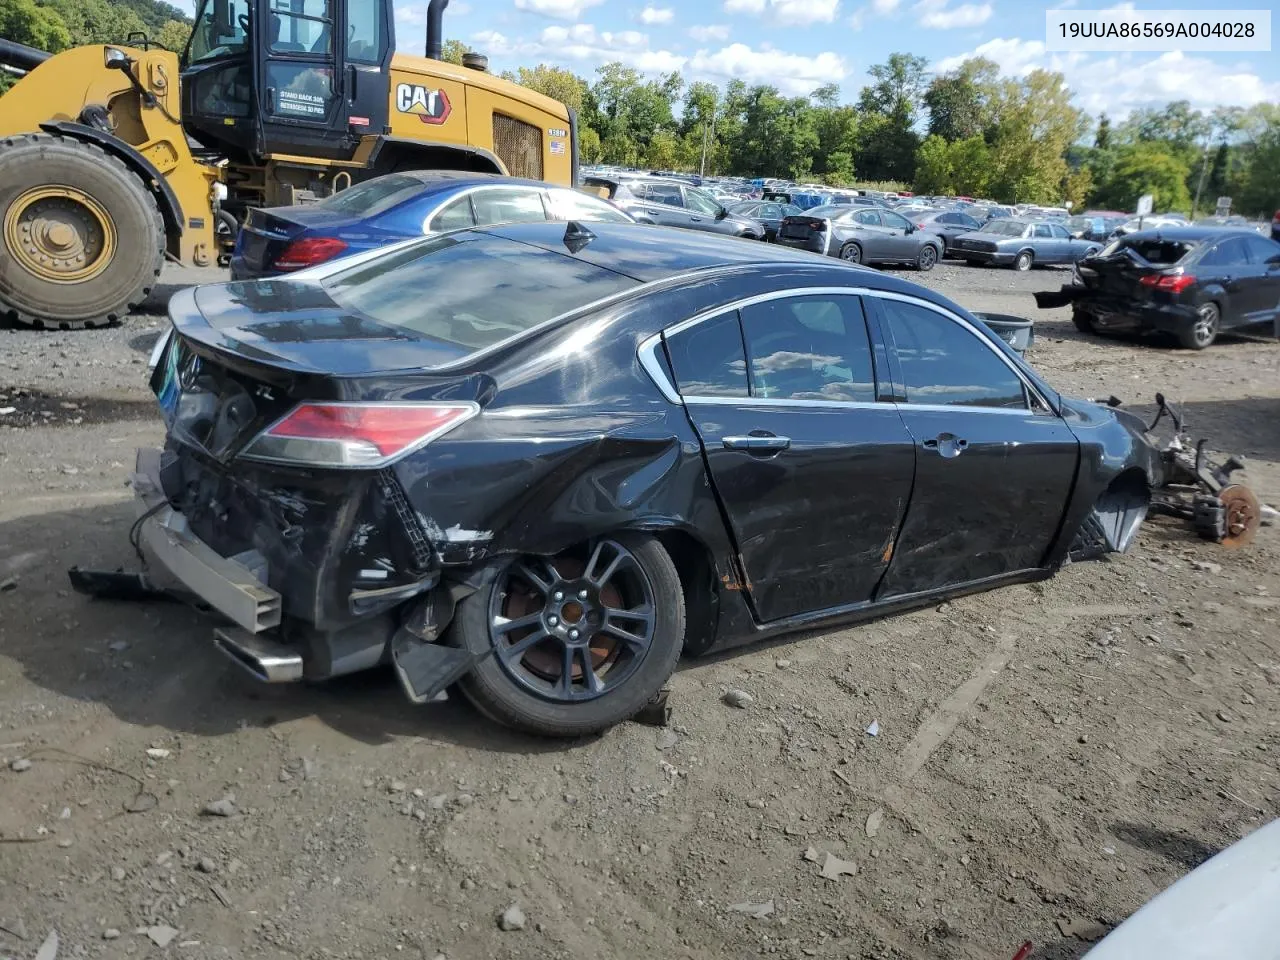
{"points": [[114, 158]]}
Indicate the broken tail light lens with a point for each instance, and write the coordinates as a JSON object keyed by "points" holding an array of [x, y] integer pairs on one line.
{"points": [[355, 435], [307, 252], [1169, 283]]}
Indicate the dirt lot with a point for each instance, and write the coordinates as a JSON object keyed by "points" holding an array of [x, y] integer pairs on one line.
{"points": [[1048, 756]]}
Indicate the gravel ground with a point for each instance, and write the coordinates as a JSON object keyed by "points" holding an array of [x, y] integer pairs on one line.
{"points": [[1048, 756]]}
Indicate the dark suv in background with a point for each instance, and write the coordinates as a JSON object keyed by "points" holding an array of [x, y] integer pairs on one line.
{"points": [[674, 203]]}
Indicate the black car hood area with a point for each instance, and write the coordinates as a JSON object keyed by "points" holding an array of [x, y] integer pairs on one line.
{"points": [[295, 324]]}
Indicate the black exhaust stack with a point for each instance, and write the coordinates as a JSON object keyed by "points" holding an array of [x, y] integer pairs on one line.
{"points": [[22, 57], [435, 31]]}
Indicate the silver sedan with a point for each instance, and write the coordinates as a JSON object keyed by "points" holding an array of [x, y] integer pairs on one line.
{"points": [[1022, 244]]}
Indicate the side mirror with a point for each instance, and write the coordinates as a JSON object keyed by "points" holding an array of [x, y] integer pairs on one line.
{"points": [[1273, 263], [911, 228], [721, 213]]}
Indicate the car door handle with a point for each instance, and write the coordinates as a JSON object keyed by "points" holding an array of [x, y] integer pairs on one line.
{"points": [[696, 219], [769, 444], [947, 445]]}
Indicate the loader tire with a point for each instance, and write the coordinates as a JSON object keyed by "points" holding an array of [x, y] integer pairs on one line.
{"points": [[81, 238]]}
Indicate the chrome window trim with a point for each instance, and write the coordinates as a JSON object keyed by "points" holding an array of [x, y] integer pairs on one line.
{"points": [[647, 354]]}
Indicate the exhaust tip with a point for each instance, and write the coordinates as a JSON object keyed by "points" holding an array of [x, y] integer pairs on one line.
{"points": [[476, 61], [266, 660]]}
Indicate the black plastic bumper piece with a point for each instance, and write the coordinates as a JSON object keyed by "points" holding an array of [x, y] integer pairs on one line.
{"points": [[426, 670]]}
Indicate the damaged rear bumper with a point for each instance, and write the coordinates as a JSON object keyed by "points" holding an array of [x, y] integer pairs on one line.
{"points": [[226, 584]]}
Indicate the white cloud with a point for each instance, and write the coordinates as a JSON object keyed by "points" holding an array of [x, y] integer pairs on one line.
{"points": [[877, 8], [1120, 83], [792, 12], [793, 74], [581, 43], [559, 9], [714, 31], [936, 15], [652, 15]]}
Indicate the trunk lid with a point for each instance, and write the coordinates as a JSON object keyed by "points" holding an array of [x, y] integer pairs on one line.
{"points": [[801, 226], [268, 231], [1119, 270]]}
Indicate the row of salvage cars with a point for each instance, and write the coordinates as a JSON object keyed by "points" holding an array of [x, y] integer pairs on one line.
{"points": [[536, 463]]}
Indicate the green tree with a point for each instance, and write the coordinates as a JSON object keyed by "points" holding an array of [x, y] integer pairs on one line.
{"points": [[1035, 126], [554, 82], [897, 86], [173, 35], [1102, 139], [22, 21], [452, 52], [1146, 168], [933, 166], [970, 166], [959, 102], [97, 21], [588, 145], [663, 151]]}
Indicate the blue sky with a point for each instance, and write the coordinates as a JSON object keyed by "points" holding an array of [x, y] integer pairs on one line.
{"points": [[798, 45]]}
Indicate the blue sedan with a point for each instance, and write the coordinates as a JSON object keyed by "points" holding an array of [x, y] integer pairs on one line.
{"points": [[398, 206]]}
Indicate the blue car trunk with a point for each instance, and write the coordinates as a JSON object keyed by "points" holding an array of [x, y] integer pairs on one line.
{"points": [[267, 232]]}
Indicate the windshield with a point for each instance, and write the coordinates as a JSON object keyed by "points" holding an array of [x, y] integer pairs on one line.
{"points": [[374, 196], [219, 30], [471, 290], [1004, 228]]}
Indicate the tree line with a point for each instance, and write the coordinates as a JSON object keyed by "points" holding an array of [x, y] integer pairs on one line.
{"points": [[968, 131]]}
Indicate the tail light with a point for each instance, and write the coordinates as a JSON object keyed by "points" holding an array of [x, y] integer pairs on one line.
{"points": [[355, 435], [919, 226], [307, 252], [1170, 283]]}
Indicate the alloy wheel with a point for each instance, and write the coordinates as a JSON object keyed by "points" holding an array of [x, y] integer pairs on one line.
{"points": [[927, 257], [573, 627], [1205, 330], [851, 253]]}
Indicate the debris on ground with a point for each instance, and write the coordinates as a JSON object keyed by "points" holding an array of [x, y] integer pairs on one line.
{"points": [[512, 918], [161, 934], [21, 765], [874, 821], [874, 729], [224, 807], [833, 868], [811, 855], [756, 911], [158, 753], [738, 698], [49, 949], [1085, 930]]}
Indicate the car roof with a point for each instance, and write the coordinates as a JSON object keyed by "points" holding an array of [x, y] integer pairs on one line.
{"points": [[1190, 234], [648, 253]]}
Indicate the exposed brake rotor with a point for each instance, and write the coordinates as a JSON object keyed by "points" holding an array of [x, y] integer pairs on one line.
{"points": [[1243, 515]]}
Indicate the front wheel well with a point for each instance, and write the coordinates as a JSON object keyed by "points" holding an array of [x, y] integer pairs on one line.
{"points": [[393, 155]]}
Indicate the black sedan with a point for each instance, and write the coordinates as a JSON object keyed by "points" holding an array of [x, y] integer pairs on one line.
{"points": [[541, 462], [1191, 282], [768, 214], [861, 234]]}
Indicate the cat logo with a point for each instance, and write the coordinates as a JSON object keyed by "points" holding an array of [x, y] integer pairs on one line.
{"points": [[429, 106]]}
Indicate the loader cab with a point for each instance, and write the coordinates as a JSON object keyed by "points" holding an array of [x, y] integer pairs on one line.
{"points": [[298, 77]]}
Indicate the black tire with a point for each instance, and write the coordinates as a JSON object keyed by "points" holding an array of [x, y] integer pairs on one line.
{"points": [[1083, 320], [926, 258], [1024, 261], [851, 253], [1206, 329], [497, 695], [128, 273]]}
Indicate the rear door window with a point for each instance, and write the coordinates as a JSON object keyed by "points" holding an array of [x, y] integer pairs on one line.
{"points": [[1262, 250], [455, 215], [665, 193], [809, 348], [1227, 253], [867, 218], [471, 290], [1043, 230], [575, 205], [944, 363], [708, 359], [508, 205]]}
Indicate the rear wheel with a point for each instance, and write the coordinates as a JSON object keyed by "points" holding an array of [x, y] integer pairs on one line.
{"points": [[1023, 261], [927, 257], [81, 241], [851, 253], [574, 643], [1205, 330]]}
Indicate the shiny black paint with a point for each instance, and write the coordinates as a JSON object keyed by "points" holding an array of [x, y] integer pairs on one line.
{"points": [[575, 441]]}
